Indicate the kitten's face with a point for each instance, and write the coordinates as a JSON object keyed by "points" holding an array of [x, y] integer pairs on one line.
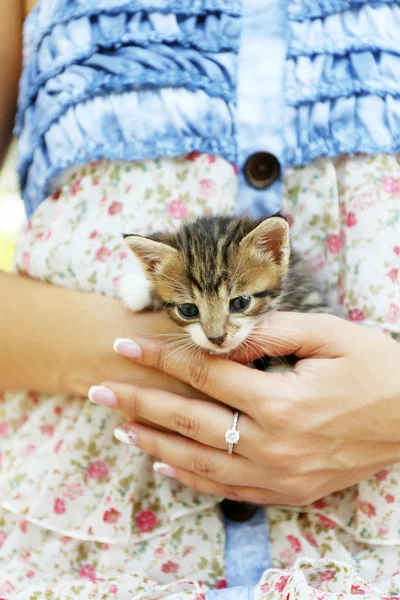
{"points": [[216, 277]]}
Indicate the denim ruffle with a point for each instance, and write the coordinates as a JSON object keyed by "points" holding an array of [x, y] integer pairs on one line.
{"points": [[133, 79]]}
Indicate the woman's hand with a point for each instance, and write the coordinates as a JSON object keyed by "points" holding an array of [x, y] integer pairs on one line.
{"points": [[330, 423], [56, 340]]}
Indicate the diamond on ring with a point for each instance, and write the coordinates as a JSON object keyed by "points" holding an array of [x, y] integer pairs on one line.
{"points": [[232, 436]]}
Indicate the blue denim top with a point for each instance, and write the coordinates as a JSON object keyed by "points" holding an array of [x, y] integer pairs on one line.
{"points": [[135, 79]]}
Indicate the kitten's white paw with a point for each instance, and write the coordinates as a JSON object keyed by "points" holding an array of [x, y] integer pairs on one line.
{"points": [[135, 291]]}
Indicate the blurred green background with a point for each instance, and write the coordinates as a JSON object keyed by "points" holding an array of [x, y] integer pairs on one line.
{"points": [[12, 213]]}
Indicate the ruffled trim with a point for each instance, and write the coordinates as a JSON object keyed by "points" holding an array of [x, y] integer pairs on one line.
{"points": [[371, 28], [300, 10], [342, 126], [81, 459], [327, 77], [164, 44]]}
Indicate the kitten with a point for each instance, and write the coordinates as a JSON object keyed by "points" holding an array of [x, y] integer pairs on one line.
{"points": [[217, 276]]}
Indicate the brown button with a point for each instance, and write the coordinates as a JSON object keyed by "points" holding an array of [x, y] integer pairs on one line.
{"points": [[261, 170], [238, 511]]}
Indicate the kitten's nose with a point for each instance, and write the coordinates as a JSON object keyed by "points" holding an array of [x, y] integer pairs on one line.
{"points": [[218, 341]]}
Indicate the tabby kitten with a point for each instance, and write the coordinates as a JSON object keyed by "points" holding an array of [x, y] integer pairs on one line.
{"points": [[217, 276]]}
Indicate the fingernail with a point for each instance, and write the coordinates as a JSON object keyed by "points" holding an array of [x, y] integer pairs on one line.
{"points": [[127, 348], [164, 469], [98, 394], [125, 435]]}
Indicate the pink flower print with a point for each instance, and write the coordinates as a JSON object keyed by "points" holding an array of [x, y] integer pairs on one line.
{"points": [[28, 227], [58, 410], [294, 543], [111, 516], [102, 254], [316, 262], [382, 475], [389, 498], [355, 589], [221, 584], [75, 188], [211, 158], [396, 250], [367, 508], [393, 314], [333, 243], [3, 537], [265, 587], [188, 550], [56, 195], [170, 567], [58, 445], [208, 188], [177, 209], [235, 169], [115, 208], [23, 526], [328, 523], [123, 255], [321, 503], [393, 275], [59, 506], [28, 450], [93, 234], [327, 575], [47, 429], [281, 584], [113, 589], [193, 155], [115, 282], [74, 490], [351, 220], [3, 428], [311, 539], [97, 470], [87, 572], [24, 558], [30, 574], [26, 261], [146, 520], [356, 315], [6, 588], [199, 597], [383, 530], [159, 552], [391, 185]]}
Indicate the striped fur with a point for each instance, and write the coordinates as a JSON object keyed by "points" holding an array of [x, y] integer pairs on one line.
{"points": [[213, 260]]}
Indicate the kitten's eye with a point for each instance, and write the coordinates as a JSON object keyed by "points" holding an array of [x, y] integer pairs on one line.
{"points": [[188, 311], [239, 304]]}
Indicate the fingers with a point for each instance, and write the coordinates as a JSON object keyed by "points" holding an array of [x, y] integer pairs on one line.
{"points": [[231, 492], [203, 461], [198, 420], [226, 381], [302, 334]]}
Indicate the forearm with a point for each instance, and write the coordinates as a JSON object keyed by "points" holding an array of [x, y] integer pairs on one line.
{"points": [[57, 340], [10, 67]]}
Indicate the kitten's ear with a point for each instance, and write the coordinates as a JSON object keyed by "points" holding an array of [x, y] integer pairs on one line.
{"points": [[150, 253], [271, 237]]}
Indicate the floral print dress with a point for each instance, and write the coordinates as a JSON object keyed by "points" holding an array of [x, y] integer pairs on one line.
{"points": [[83, 516]]}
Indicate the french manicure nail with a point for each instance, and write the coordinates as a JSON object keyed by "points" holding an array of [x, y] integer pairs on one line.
{"points": [[127, 348], [99, 394], [164, 469], [125, 435]]}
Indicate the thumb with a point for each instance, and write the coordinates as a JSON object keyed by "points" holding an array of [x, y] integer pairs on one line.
{"points": [[303, 334]]}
